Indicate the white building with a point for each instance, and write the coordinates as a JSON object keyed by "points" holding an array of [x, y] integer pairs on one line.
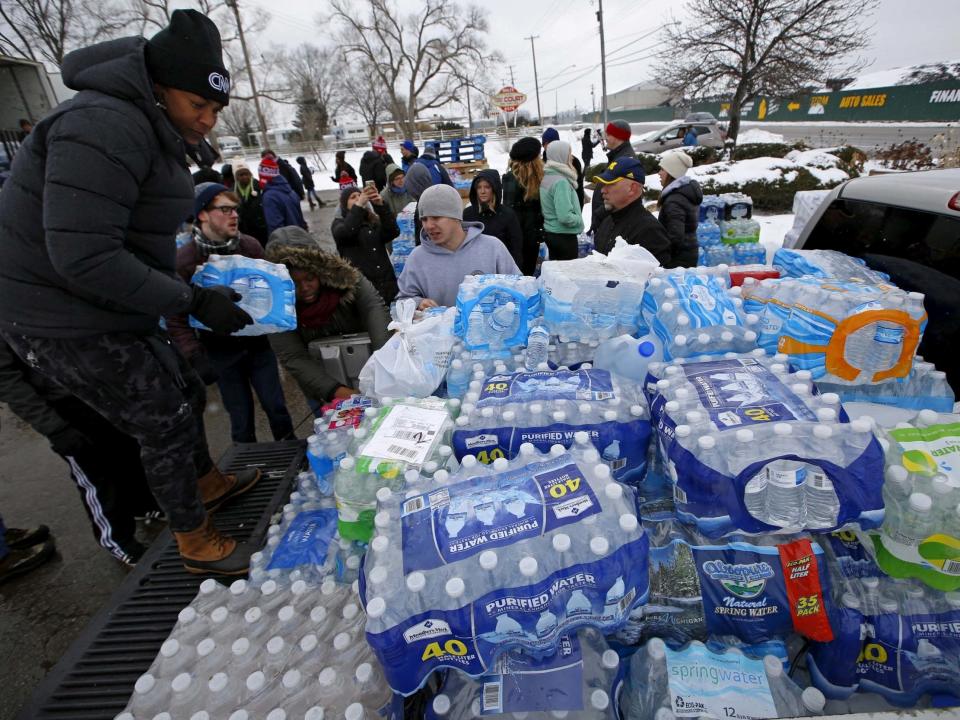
{"points": [[646, 94]]}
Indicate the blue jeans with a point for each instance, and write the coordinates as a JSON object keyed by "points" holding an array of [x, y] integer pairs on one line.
{"points": [[238, 371], [4, 551]]}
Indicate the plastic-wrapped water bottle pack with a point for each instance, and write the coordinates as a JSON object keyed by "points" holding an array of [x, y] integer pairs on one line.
{"points": [[825, 264], [694, 681], [596, 297], [844, 332], [404, 243], [488, 559], [925, 388], [266, 289], [578, 682], [587, 408], [748, 590], [920, 536], [400, 436], [749, 447], [496, 312], [892, 636], [269, 653], [695, 313]]}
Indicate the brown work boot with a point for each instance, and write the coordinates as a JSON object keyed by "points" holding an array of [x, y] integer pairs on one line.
{"points": [[207, 550], [216, 488]]}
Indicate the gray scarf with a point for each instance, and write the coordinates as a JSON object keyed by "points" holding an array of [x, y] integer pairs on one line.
{"points": [[207, 247]]}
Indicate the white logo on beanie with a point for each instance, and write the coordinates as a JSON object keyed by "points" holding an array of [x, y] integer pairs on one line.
{"points": [[219, 82]]}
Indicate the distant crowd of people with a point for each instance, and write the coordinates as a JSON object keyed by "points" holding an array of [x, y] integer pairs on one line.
{"points": [[96, 349]]}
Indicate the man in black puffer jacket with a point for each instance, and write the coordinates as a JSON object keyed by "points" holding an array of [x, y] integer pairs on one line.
{"points": [[680, 207], [365, 226], [88, 218]]}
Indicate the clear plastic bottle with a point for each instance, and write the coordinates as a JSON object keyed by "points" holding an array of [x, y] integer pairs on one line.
{"points": [[538, 341], [821, 504], [785, 480], [915, 522]]}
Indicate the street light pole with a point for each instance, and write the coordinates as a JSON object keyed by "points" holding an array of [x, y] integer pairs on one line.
{"points": [[253, 83], [603, 63], [536, 83]]}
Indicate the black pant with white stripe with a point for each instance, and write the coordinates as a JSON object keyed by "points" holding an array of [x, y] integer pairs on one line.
{"points": [[109, 476]]}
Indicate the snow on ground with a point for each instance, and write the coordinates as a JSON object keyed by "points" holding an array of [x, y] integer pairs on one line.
{"points": [[756, 135], [743, 171], [772, 230]]}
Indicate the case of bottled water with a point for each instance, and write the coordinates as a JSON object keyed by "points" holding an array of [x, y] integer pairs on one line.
{"points": [[694, 313], [892, 636], [266, 291], [596, 297], [401, 436], [270, 652], [740, 231], [749, 589], [583, 408], [925, 388], [489, 559], [749, 447], [404, 243], [828, 264], [496, 312], [695, 681], [844, 332], [737, 206], [920, 536], [712, 209], [331, 437], [577, 682]]}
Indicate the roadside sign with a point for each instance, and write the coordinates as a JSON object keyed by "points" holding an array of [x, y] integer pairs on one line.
{"points": [[509, 99]]}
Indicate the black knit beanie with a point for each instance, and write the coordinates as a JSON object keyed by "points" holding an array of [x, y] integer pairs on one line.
{"points": [[187, 55], [345, 195], [525, 149]]}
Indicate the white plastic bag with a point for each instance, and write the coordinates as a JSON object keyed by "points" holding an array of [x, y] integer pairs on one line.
{"points": [[414, 360]]}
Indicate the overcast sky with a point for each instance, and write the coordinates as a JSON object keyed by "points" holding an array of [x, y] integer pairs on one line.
{"points": [[568, 49]]}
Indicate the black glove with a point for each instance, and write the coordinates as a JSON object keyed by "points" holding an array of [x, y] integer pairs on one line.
{"points": [[69, 441], [204, 368], [215, 308]]}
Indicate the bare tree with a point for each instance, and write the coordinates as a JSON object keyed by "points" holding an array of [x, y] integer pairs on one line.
{"points": [[413, 57], [363, 96], [46, 30], [238, 118], [311, 76], [768, 46]]}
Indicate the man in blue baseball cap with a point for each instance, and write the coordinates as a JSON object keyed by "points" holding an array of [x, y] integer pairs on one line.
{"points": [[621, 186]]}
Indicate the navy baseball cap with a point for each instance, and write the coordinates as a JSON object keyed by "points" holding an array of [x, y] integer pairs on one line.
{"points": [[627, 168]]}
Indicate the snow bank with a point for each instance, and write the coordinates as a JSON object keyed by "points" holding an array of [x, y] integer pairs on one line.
{"points": [[758, 136]]}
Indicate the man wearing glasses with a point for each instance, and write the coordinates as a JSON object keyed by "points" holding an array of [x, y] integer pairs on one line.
{"points": [[235, 363]]}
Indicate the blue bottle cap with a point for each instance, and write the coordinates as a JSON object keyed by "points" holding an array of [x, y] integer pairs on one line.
{"points": [[646, 348]]}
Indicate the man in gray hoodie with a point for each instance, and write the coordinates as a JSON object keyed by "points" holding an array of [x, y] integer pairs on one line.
{"points": [[449, 250]]}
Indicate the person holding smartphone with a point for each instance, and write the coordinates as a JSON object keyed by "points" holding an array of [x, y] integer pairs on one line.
{"points": [[365, 226]]}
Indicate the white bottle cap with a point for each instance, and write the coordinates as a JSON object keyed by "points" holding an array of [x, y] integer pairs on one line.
{"points": [[500, 464], [240, 646], [286, 613], [314, 713], [920, 502], [599, 699], [830, 398], [561, 542], [412, 475], [341, 641], [581, 438], [488, 560], [610, 415], [599, 545], [682, 431], [822, 432], [680, 340], [527, 449], [613, 490], [208, 586], [350, 611], [269, 587], [455, 587], [205, 647], [328, 586], [528, 566], [382, 518], [813, 700], [237, 715], [601, 471], [187, 615], [170, 648], [416, 581], [486, 412], [860, 425], [384, 494], [556, 450], [318, 614], [255, 681], [782, 429], [469, 461], [275, 645], [309, 642], [380, 543], [219, 614], [253, 615], [637, 411], [610, 659], [376, 607], [927, 417], [667, 307], [683, 320], [347, 463], [509, 417], [378, 574], [703, 339], [354, 712], [218, 682], [441, 704], [656, 649], [145, 683], [441, 476], [277, 714], [826, 414], [328, 676], [707, 442], [629, 522], [364, 672], [750, 336], [773, 666]]}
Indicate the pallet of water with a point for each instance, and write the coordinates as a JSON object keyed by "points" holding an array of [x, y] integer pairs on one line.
{"points": [[749, 446], [496, 312], [514, 555]]}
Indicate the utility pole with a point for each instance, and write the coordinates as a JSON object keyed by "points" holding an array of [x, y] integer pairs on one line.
{"points": [[536, 83], [512, 81], [603, 63], [253, 83], [593, 101]]}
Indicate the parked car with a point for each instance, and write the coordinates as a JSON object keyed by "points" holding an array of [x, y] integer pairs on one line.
{"points": [[229, 144], [908, 226], [704, 125]]}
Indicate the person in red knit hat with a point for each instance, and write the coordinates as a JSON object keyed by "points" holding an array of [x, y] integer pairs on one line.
{"points": [[617, 136], [281, 206], [373, 164]]}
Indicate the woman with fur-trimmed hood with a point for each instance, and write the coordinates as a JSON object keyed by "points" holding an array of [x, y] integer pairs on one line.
{"points": [[333, 298]]}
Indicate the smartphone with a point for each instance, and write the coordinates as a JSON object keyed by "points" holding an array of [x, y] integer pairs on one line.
{"points": [[370, 184]]}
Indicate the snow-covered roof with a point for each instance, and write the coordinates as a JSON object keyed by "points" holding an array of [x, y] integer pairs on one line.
{"points": [[908, 75]]}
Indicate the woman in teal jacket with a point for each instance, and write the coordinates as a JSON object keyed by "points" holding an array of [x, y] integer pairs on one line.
{"points": [[562, 215]]}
